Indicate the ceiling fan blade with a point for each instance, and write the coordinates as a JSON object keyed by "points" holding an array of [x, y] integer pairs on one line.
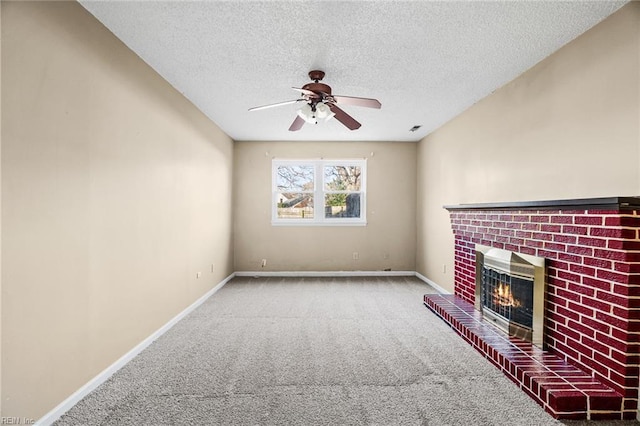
{"points": [[363, 102], [307, 92], [275, 105], [297, 124], [344, 118]]}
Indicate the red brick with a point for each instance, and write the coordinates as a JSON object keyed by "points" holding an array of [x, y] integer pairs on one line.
{"points": [[583, 270], [550, 228], [612, 221], [592, 242], [566, 350], [588, 220], [542, 236], [631, 245], [581, 250], [616, 244], [533, 243], [531, 226], [547, 254], [580, 347], [623, 357], [610, 363], [582, 289], [628, 290], [626, 313], [596, 366], [523, 234], [599, 263], [596, 325], [575, 230], [595, 283], [609, 254], [584, 310], [596, 304], [528, 250], [622, 267], [540, 219], [554, 246], [632, 257], [610, 341], [612, 298], [634, 326], [568, 239], [581, 328], [562, 219], [612, 320], [557, 264], [569, 257], [513, 225], [612, 276], [596, 346], [631, 404], [516, 241], [520, 218], [625, 221], [566, 313], [569, 276], [629, 234]]}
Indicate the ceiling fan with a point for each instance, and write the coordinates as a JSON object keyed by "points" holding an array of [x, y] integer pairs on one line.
{"points": [[319, 103]]}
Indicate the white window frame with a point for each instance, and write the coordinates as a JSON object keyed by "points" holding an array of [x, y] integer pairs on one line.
{"points": [[319, 193]]}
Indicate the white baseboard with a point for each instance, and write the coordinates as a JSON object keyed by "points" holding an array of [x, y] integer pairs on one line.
{"points": [[432, 284], [325, 273], [72, 400]]}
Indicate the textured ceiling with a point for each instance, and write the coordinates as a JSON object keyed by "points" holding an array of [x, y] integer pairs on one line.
{"points": [[426, 61]]}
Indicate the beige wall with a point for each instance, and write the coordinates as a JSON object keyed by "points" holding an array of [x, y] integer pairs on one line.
{"points": [[116, 191], [567, 128], [391, 185]]}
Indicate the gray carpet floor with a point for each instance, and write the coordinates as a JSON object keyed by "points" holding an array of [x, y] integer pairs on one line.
{"points": [[310, 351]]}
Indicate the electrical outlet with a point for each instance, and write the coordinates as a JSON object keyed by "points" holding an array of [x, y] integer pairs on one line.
{"points": [[444, 268], [198, 274], [264, 262], [213, 267], [385, 256], [356, 255]]}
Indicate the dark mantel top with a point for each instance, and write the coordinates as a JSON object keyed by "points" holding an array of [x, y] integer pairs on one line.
{"points": [[603, 203]]}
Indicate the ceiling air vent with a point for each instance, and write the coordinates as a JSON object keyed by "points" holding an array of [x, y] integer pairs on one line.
{"points": [[414, 128]]}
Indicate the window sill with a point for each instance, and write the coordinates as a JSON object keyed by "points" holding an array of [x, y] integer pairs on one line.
{"points": [[300, 223]]}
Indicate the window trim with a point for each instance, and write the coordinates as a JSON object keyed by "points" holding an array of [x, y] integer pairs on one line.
{"points": [[319, 192]]}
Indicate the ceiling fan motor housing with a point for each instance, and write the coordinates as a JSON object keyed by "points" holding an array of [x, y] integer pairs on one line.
{"points": [[318, 87]]}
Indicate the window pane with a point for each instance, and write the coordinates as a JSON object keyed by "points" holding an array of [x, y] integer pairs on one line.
{"points": [[342, 178], [342, 205], [295, 205], [295, 178]]}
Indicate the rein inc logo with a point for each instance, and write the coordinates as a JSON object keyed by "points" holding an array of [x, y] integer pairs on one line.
{"points": [[16, 421]]}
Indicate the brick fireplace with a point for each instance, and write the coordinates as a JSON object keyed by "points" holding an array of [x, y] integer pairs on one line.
{"points": [[592, 300]]}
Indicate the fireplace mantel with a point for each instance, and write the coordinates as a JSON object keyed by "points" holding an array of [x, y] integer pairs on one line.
{"points": [[602, 203]]}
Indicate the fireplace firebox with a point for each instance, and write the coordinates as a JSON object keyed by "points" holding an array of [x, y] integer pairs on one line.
{"points": [[510, 292]]}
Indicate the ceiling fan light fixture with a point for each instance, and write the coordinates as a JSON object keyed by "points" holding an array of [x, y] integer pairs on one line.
{"points": [[307, 114], [323, 111]]}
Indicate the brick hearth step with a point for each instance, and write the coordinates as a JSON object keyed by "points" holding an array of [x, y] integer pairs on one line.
{"points": [[564, 391]]}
